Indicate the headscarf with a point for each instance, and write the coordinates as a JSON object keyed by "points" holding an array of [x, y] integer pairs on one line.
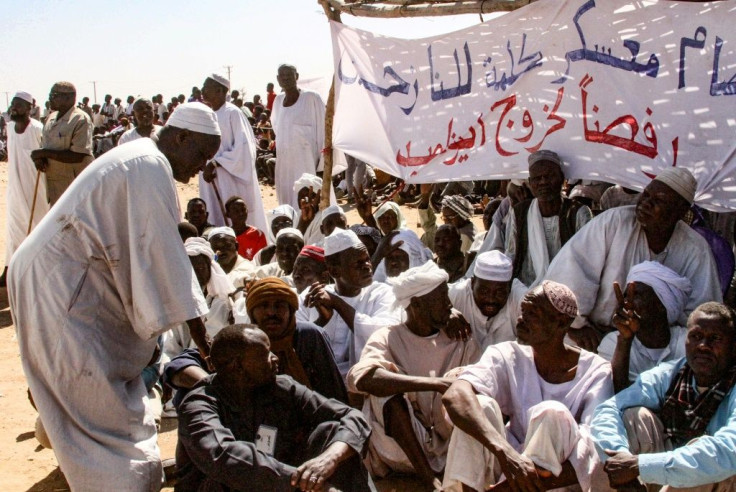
{"points": [[394, 207], [671, 289], [272, 288], [307, 180], [417, 282], [418, 253], [460, 205], [219, 284]]}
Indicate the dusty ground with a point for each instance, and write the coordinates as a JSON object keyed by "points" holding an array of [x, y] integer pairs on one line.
{"points": [[24, 465]]}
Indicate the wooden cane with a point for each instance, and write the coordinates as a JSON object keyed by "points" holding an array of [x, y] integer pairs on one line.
{"points": [[219, 200], [33, 204]]}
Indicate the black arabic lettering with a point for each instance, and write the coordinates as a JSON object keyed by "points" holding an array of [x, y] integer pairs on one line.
{"points": [[725, 88], [533, 61], [461, 89], [693, 42], [401, 86]]}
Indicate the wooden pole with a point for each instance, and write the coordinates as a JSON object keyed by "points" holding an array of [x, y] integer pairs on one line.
{"points": [[33, 204], [334, 15]]}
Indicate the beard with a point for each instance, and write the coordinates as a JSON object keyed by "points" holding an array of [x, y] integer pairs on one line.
{"points": [[18, 117]]}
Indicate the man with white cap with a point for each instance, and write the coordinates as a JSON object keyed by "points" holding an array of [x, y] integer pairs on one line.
{"points": [[490, 300], [233, 170], [333, 217], [289, 242], [67, 141], [225, 245], [298, 119], [646, 320], [24, 136], [546, 388], [308, 190], [403, 371], [354, 307], [113, 275], [397, 252], [538, 228], [616, 240]]}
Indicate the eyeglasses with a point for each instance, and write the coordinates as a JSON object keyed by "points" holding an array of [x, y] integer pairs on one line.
{"points": [[57, 94]]}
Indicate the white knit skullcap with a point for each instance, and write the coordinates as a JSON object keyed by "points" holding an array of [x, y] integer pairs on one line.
{"points": [[290, 230], [220, 80], [331, 210], [494, 266], [681, 181], [196, 117], [340, 240], [417, 282], [227, 231]]}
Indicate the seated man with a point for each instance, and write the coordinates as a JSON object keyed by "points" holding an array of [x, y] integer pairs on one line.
{"points": [[216, 287], [397, 252], [646, 320], [402, 371], [537, 229], [490, 300], [250, 239], [352, 308], [289, 242], [245, 428], [606, 249], [333, 217], [450, 258], [310, 267], [546, 388], [387, 217], [457, 211], [309, 192], [197, 215], [279, 218], [225, 244], [675, 425]]}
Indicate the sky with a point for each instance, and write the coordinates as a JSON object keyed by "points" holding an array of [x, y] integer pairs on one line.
{"points": [[136, 47]]}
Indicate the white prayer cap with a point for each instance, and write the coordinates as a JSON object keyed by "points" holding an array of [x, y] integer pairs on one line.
{"points": [[681, 181], [219, 284], [416, 282], [227, 231], [671, 289], [307, 180], [332, 210], [220, 80], [494, 266], [340, 240], [290, 230], [196, 117], [25, 96]]}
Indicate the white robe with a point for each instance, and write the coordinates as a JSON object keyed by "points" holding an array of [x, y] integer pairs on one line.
{"points": [[374, 309], [604, 251], [300, 137], [21, 184], [90, 289], [132, 135], [179, 338], [507, 373], [236, 175], [488, 331]]}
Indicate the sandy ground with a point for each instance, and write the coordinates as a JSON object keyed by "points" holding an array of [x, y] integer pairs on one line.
{"points": [[24, 464]]}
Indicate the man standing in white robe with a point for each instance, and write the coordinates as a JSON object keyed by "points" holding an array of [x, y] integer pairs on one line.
{"points": [[24, 136], [604, 251], [233, 169], [354, 307], [546, 388], [109, 265], [489, 301], [298, 120]]}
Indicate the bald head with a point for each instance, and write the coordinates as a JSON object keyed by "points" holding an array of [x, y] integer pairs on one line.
{"points": [[232, 342]]}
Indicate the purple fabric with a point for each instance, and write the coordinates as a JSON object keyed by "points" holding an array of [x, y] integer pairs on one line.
{"points": [[722, 253]]}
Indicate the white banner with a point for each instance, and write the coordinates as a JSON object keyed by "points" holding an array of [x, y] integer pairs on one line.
{"points": [[620, 90]]}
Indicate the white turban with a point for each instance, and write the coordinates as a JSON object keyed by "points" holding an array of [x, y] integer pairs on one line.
{"points": [[417, 282], [227, 231], [340, 240], [331, 210], [494, 266], [196, 117], [223, 81], [25, 96], [671, 289], [219, 284], [418, 253], [307, 180], [280, 211], [290, 230], [392, 206], [680, 180]]}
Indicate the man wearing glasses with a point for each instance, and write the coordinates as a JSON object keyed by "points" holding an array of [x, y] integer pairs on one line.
{"points": [[67, 141]]}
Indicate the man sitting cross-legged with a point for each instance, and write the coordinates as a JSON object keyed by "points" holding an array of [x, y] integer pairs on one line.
{"points": [[245, 428], [676, 425], [355, 306], [546, 388], [490, 300], [402, 370]]}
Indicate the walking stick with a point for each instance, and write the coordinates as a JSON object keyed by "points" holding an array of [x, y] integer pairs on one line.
{"points": [[33, 204], [219, 200]]}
